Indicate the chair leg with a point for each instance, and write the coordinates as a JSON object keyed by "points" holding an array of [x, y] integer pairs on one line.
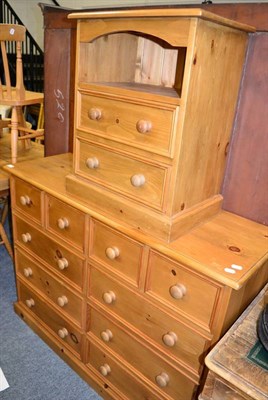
{"points": [[5, 240], [14, 135]]}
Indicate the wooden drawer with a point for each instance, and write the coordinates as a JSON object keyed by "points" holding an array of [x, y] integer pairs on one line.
{"points": [[27, 199], [66, 221], [64, 299], [173, 338], [63, 261], [139, 356], [117, 252], [148, 127], [182, 290], [142, 181], [117, 374], [62, 329]]}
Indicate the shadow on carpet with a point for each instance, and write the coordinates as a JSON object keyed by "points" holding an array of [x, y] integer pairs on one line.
{"points": [[32, 369]]}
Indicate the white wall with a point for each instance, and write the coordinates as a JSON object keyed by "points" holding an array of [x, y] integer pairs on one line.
{"points": [[31, 15]]}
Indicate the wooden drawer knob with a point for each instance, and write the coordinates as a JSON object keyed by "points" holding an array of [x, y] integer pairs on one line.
{"points": [[112, 252], [109, 297], [162, 379], [95, 114], [30, 303], [137, 180], [106, 335], [63, 333], [105, 369], [143, 126], [62, 301], [62, 263], [63, 223], [177, 291], [25, 200], [92, 162], [27, 272], [26, 237], [170, 339]]}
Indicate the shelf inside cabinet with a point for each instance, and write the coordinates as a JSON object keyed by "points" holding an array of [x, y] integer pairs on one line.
{"points": [[133, 61]]}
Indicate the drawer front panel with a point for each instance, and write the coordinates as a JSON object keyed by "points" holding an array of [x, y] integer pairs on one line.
{"points": [[139, 125], [63, 298], [64, 330], [181, 290], [117, 374], [63, 261], [169, 335], [118, 252], [136, 179], [66, 221], [27, 199], [149, 363]]}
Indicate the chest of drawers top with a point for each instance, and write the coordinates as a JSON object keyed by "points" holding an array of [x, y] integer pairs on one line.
{"points": [[214, 248]]}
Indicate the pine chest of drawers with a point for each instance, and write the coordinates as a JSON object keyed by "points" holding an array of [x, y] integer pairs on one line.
{"points": [[126, 266], [134, 316]]}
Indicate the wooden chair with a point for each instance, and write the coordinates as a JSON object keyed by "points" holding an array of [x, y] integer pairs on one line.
{"points": [[37, 133], [16, 97], [4, 123], [4, 196]]}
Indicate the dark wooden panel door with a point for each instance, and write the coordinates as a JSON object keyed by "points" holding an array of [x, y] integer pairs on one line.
{"points": [[59, 62], [245, 188]]}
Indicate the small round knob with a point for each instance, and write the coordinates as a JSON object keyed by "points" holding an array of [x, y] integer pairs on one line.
{"points": [[95, 114], [170, 339], [137, 180], [109, 297], [62, 301], [30, 303], [112, 252], [63, 223], [105, 369], [26, 237], [162, 379], [27, 272], [63, 333], [92, 162], [177, 291], [62, 263], [106, 335], [143, 126], [25, 200]]}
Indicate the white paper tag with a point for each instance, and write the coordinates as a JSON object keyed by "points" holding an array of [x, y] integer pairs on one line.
{"points": [[3, 382], [238, 267]]}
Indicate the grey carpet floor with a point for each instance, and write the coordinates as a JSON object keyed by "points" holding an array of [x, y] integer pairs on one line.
{"points": [[32, 369]]}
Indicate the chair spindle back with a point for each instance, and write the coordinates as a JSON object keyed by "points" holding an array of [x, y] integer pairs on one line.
{"points": [[12, 33]]}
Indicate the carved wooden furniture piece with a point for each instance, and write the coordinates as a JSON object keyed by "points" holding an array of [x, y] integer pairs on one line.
{"points": [[149, 99], [109, 272], [16, 97], [132, 315], [248, 143], [233, 375]]}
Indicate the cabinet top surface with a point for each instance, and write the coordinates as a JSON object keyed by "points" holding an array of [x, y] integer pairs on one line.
{"points": [[227, 248], [161, 13]]}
